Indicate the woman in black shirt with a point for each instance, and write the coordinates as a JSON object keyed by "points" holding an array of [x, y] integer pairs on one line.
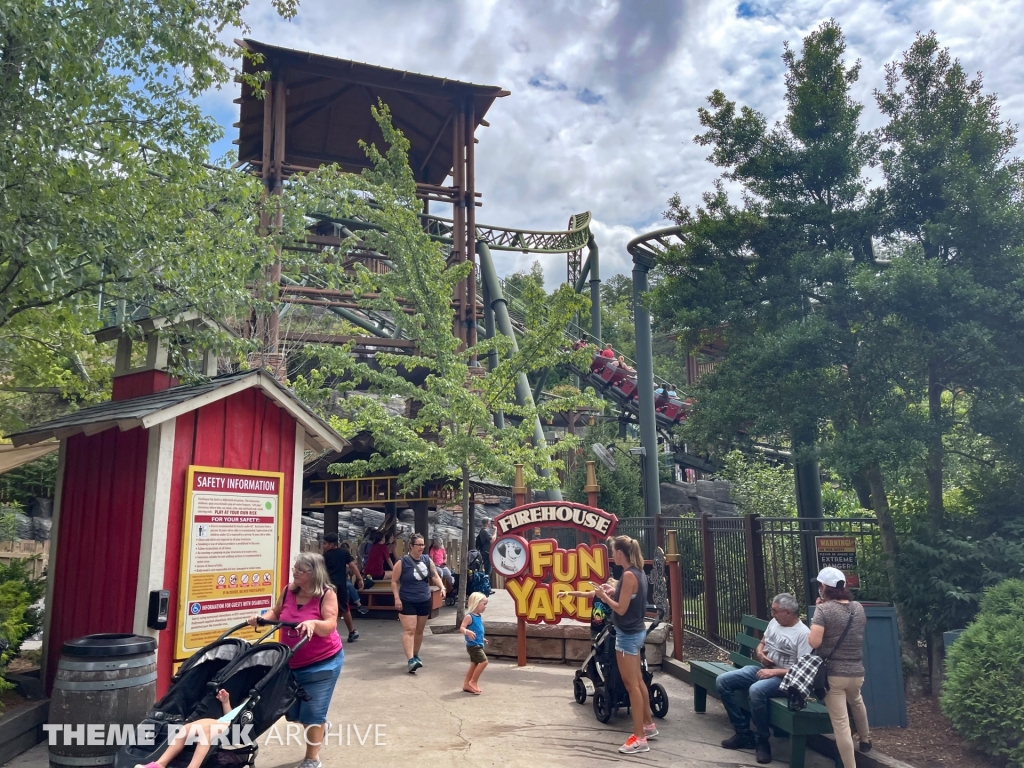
{"points": [[628, 601]]}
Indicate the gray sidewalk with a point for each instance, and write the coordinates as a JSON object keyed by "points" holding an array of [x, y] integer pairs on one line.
{"points": [[525, 717]]}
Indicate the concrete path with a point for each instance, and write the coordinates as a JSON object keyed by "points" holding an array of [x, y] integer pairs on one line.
{"points": [[525, 716]]}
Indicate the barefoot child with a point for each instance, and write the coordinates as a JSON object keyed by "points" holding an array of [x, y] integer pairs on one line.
{"points": [[200, 733], [473, 630]]}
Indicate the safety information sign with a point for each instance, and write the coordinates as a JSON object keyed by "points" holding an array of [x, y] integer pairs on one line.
{"points": [[231, 550]]}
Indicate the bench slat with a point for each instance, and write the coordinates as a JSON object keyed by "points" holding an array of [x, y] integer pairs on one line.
{"points": [[752, 622], [748, 641]]}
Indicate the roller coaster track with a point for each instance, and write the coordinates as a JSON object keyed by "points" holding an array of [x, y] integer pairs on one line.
{"points": [[570, 241]]}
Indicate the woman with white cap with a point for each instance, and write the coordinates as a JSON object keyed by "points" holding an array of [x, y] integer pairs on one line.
{"points": [[837, 632]]}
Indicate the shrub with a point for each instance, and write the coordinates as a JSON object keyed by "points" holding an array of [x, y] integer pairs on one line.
{"points": [[984, 692]]}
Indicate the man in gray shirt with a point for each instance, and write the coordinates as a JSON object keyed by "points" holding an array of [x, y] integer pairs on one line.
{"points": [[785, 641]]}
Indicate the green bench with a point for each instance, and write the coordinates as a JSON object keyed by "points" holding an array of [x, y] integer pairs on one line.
{"points": [[812, 720]]}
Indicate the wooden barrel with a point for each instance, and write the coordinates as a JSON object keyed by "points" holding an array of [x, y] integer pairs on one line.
{"points": [[101, 680]]}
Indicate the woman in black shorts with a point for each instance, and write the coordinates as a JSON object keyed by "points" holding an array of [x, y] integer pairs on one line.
{"points": [[410, 584]]}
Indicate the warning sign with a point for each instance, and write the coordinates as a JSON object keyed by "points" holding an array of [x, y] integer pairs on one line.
{"points": [[230, 554], [839, 552]]}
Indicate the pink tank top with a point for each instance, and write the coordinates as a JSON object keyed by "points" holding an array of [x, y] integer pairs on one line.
{"points": [[316, 648]]}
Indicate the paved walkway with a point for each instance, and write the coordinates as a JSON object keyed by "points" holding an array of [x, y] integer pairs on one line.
{"points": [[525, 717]]}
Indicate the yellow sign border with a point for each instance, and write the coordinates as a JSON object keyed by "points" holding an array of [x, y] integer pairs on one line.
{"points": [[180, 652]]}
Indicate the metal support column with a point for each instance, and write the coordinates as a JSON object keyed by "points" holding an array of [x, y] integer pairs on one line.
{"points": [[524, 396], [642, 263], [593, 260]]}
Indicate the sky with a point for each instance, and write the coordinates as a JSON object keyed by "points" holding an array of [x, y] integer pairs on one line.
{"points": [[605, 93]]}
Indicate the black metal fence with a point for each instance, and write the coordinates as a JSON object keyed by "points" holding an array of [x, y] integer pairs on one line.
{"points": [[733, 566]]}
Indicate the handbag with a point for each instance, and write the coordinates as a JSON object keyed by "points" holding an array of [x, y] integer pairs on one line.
{"points": [[820, 684], [809, 675]]}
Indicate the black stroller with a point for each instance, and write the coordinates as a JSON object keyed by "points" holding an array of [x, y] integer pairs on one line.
{"points": [[601, 669], [479, 581], [256, 676]]}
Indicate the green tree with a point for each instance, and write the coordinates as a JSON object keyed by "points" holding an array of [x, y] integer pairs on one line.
{"points": [[450, 434], [954, 191], [105, 196]]}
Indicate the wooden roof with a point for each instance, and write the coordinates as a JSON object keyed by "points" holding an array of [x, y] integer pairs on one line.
{"points": [[328, 111], [149, 410]]}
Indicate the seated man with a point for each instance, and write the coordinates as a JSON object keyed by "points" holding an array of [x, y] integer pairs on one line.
{"points": [[608, 352], [785, 641]]}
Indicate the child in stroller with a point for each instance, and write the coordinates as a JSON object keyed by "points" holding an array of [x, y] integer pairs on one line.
{"points": [[228, 669], [200, 732]]}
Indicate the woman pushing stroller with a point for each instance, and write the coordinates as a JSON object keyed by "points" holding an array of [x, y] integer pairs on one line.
{"points": [[310, 603]]}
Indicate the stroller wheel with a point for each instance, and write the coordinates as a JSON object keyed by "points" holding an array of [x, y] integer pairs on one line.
{"points": [[659, 700], [579, 691], [602, 705]]}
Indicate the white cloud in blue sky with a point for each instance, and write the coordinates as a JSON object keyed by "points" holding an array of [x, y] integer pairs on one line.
{"points": [[605, 94]]}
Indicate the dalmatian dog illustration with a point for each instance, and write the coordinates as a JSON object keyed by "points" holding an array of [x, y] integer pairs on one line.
{"points": [[509, 556]]}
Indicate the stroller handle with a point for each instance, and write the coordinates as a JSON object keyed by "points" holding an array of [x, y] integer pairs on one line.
{"points": [[261, 622]]}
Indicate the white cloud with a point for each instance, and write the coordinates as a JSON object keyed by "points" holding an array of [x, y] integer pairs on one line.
{"points": [[605, 94]]}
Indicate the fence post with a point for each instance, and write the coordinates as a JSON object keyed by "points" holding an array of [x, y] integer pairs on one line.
{"points": [[710, 588], [659, 532], [675, 576], [755, 566]]}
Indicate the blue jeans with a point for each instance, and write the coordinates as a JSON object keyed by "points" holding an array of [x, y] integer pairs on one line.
{"points": [[759, 691]]}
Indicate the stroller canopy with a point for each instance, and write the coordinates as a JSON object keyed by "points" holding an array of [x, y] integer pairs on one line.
{"points": [[191, 681], [260, 672]]}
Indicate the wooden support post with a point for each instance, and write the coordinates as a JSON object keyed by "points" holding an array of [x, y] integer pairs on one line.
{"points": [[469, 201], [459, 216], [519, 488], [592, 489], [273, 338], [755, 567], [675, 579], [710, 588], [330, 520], [421, 521], [519, 498]]}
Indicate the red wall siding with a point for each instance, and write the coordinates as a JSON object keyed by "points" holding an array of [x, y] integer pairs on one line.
{"points": [[96, 566], [244, 431]]}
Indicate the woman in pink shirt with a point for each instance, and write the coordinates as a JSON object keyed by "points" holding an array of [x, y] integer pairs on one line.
{"points": [[311, 602], [440, 557]]}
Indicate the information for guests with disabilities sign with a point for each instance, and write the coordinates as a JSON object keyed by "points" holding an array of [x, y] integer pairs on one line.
{"points": [[839, 552], [536, 571], [230, 552]]}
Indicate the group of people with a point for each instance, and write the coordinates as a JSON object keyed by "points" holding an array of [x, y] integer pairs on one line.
{"points": [[313, 604], [836, 634]]}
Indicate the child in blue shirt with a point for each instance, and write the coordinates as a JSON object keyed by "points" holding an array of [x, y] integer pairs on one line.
{"points": [[473, 630], [599, 613]]}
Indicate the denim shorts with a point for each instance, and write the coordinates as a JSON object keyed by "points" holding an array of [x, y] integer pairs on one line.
{"points": [[318, 681], [630, 643]]}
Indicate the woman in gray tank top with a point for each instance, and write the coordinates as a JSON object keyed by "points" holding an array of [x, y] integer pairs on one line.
{"points": [[628, 601]]}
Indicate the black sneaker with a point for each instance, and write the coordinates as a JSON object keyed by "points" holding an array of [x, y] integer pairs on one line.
{"points": [[414, 664], [865, 746], [763, 753], [353, 635], [740, 740]]}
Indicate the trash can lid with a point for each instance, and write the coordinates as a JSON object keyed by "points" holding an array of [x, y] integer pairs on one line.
{"points": [[111, 644]]}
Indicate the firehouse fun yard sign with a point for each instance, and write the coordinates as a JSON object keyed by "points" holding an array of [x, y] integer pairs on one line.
{"points": [[536, 571]]}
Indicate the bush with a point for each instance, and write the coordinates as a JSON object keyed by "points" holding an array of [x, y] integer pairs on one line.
{"points": [[984, 692]]}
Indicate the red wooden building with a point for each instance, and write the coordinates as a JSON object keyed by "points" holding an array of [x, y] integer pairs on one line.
{"points": [[121, 491]]}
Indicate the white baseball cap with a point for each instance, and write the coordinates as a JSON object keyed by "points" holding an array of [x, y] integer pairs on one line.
{"points": [[832, 577]]}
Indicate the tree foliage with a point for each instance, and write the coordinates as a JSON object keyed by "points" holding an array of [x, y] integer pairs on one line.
{"points": [[106, 201], [446, 428], [984, 692], [879, 328]]}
